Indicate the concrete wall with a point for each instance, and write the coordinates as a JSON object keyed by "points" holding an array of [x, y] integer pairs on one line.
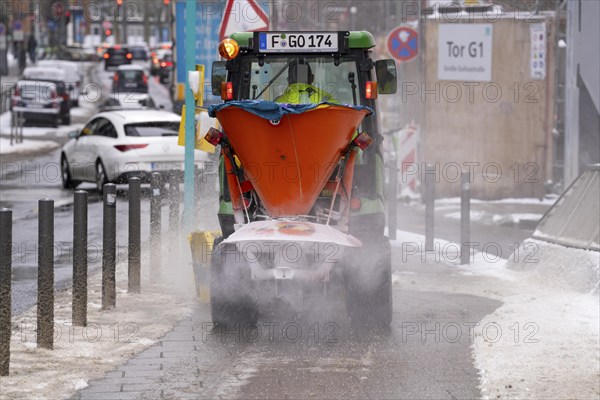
{"points": [[507, 142]]}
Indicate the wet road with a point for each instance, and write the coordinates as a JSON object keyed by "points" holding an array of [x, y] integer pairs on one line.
{"points": [[425, 355]]}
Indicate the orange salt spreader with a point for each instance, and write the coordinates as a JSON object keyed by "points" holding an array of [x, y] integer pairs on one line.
{"points": [[290, 161]]}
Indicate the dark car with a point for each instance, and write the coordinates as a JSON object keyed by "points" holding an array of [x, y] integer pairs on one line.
{"points": [[138, 53], [165, 68], [37, 101], [130, 79], [117, 55]]}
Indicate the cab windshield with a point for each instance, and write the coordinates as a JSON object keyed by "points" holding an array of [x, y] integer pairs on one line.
{"points": [[270, 80]]}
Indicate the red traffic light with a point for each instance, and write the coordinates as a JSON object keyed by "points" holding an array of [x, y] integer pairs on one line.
{"points": [[107, 32]]}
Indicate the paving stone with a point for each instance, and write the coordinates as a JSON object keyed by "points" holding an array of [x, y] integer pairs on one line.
{"points": [[103, 387]]}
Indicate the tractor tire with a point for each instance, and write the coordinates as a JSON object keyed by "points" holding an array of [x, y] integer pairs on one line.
{"points": [[232, 304], [368, 279]]}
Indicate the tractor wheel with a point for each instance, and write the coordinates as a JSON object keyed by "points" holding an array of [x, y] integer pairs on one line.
{"points": [[231, 301], [369, 285]]}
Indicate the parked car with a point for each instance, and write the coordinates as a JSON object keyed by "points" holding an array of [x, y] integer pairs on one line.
{"points": [[120, 101], [58, 77], [117, 145], [38, 101], [116, 55], [74, 76], [130, 79]]}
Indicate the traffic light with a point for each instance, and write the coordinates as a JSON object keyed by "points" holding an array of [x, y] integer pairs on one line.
{"points": [[67, 17], [166, 2], [108, 32], [119, 2]]}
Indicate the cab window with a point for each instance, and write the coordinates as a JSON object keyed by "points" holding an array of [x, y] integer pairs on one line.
{"points": [[269, 80]]}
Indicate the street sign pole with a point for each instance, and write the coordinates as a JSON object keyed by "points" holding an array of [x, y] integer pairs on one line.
{"points": [[190, 106], [3, 51]]}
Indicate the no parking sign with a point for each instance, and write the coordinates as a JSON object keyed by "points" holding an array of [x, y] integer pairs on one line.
{"points": [[403, 43]]}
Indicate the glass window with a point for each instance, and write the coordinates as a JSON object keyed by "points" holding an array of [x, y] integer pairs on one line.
{"points": [[90, 128], [269, 81], [160, 128]]}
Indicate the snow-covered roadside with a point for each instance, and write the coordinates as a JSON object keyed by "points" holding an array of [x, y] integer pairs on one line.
{"points": [[109, 340], [551, 349], [547, 341], [26, 147]]}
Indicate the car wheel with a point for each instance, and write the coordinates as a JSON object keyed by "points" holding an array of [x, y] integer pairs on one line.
{"points": [[55, 123], [67, 181], [66, 120], [101, 178]]}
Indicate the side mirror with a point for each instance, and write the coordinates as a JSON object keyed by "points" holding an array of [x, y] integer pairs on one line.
{"points": [[387, 79], [73, 134], [218, 75]]}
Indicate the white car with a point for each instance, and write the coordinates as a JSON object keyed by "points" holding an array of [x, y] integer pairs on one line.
{"points": [[74, 75], [117, 145]]}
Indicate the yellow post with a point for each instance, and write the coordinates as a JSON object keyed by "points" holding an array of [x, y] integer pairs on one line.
{"points": [[201, 243]]}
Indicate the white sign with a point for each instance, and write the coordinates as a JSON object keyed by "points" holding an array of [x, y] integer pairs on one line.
{"points": [[537, 63], [18, 34], [290, 42], [242, 16], [465, 52]]}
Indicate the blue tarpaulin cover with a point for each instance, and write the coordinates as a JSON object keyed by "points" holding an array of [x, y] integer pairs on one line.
{"points": [[274, 111]]}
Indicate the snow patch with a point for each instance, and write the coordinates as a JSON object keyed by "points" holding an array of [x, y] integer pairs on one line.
{"points": [[26, 147]]}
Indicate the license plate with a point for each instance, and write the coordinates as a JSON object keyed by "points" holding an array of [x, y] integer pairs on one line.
{"points": [[166, 166], [270, 42]]}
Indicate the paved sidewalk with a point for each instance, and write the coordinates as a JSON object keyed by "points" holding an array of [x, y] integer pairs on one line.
{"points": [[148, 367]]}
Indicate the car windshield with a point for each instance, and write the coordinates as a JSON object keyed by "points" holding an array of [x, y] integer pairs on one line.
{"points": [[160, 128], [270, 80]]}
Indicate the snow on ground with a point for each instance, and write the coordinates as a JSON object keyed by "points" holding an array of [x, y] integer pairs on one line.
{"points": [[516, 218], [547, 200], [543, 342], [474, 215], [109, 340], [33, 131], [26, 147]]}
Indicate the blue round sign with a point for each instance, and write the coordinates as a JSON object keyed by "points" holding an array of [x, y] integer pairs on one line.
{"points": [[403, 43], [18, 25]]}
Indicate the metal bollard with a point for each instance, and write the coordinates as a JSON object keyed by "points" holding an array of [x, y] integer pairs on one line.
{"points": [[173, 205], [155, 226], [465, 217], [429, 206], [109, 233], [21, 123], [5, 288], [392, 198], [133, 272], [80, 264], [45, 300]]}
